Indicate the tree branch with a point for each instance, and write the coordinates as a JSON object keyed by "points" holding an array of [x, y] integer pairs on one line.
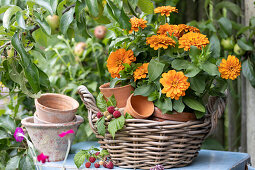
{"points": [[67, 8]]}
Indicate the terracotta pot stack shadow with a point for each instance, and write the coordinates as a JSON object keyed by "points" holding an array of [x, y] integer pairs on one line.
{"points": [[55, 113]]}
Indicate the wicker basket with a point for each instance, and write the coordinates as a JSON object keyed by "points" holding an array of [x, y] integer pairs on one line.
{"points": [[143, 143]]}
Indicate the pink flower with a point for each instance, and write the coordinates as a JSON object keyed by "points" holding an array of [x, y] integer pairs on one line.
{"points": [[43, 158], [63, 134], [17, 133]]}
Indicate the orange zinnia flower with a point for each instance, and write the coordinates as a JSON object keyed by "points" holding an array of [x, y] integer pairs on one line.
{"points": [[117, 59], [165, 10], [170, 29], [182, 29], [136, 23], [193, 39], [230, 68], [141, 71], [175, 84], [160, 41]]}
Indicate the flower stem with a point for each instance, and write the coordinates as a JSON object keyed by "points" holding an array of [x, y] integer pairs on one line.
{"points": [[67, 152], [158, 53]]}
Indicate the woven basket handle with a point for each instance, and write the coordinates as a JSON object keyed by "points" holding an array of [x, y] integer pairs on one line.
{"points": [[215, 107], [90, 104]]}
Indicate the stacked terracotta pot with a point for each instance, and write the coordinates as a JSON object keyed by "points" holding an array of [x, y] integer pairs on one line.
{"points": [[55, 113]]}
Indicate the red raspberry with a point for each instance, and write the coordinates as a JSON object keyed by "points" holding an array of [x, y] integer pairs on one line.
{"points": [[116, 114], [111, 109], [109, 165], [87, 164], [105, 165], [97, 165], [97, 153], [99, 115], [92, 159]]}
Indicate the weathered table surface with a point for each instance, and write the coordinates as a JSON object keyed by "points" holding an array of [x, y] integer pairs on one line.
{"points": [[206, 160]]}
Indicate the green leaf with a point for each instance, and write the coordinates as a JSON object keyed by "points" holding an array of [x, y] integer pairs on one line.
{"points": [[244, 44], [20, 20], [79, 158], [116, 81], [8, 15], [44, 4], [144, 90], [194, 104], [115, 125], [128, 116], [101, 102], [3, 134], [178, 105], [4, 8], [131, 8], [40, 37], [66, 20], [13, 163], [146, 6], [54, 4], [44, 25], [26, 162], [43, 78], [215, 46], [165, 105], [249, 71], [226, 25], [100, 126], [179, 64], [124, 20], [93, 7], [210, 68], [197, 84], [104, 153], [111, 101], [7, 123], [192, 70], [230, 6], [30, 69], [199, 115], [155, 69], [194, 53]]}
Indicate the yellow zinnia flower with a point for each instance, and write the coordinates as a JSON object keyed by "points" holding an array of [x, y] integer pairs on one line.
{"points": [[175, 84], [160, 41], [141, 71], [117, 59], [165, 10], [193, 39], [230, 68], [136, 23]]}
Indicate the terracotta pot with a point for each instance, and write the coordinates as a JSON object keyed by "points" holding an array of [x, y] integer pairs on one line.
{"points": [[39, 121], [139, 107], [56, 108], [181, 117], [121, 93], [45, 137]]}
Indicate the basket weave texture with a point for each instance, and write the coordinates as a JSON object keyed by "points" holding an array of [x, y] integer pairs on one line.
{"points": [[143, 143]]}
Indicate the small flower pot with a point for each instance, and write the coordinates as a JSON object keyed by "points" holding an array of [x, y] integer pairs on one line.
{"points": [[45, 137], [121, 93], [180, 117], [56, 108], [139, 107], [39, 121]]}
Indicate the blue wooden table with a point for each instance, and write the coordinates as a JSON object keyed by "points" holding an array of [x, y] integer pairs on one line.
{"points": [[206, 160]]}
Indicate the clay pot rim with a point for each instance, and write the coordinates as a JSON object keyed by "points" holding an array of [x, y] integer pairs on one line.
{"points": [[143, 116], [108, 84], [46, 122], [50, 125], [76, 104]]}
